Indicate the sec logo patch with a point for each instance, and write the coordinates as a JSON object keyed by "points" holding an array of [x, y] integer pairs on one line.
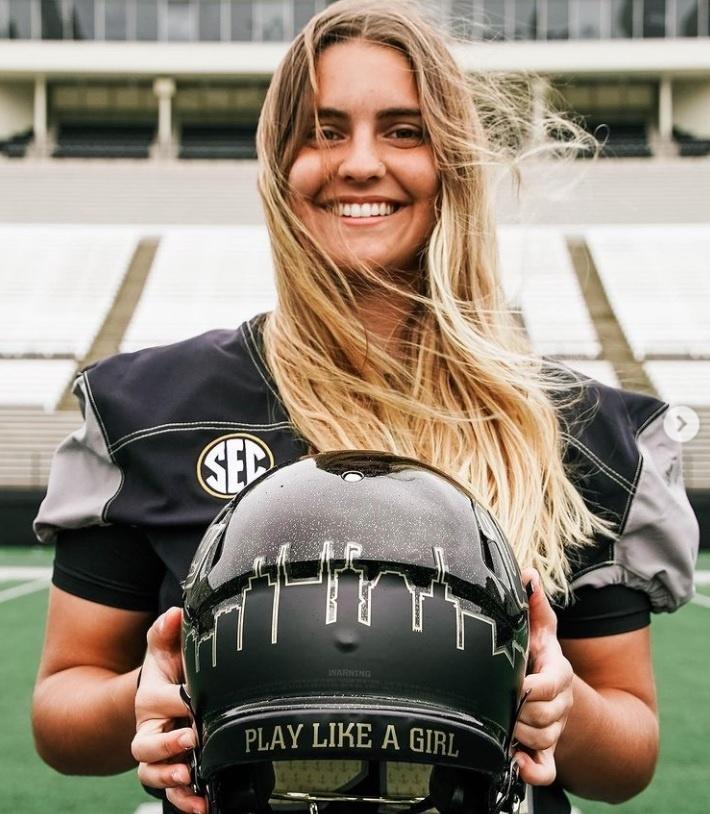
{"points": [[231, 462]]}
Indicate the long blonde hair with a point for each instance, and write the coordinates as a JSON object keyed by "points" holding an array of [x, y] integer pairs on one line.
{"points": [[464, 391]]}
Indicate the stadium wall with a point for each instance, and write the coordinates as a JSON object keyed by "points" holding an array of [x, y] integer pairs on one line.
{"points": [[16, 108], [691, 107], [18, 508]]}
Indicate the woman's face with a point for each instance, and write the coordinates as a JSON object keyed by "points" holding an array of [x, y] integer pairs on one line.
{"points": [[375, 161]]}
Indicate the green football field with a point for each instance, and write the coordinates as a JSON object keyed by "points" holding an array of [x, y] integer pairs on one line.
{"points": [[682, 659]]}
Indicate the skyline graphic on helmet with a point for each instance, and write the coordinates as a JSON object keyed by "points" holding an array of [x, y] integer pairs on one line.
{"points": [[279, 576]]}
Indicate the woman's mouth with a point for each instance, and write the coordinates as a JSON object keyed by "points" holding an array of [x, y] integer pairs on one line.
{"points": [[366, 212]]}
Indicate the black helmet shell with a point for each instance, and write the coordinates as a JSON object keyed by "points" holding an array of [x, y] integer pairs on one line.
{"points": [[354, 605]]}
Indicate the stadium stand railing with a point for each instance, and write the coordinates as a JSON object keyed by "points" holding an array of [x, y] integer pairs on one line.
{"points": [[84, 140]]}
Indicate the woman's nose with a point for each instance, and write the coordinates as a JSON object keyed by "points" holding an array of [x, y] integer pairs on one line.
{"points": [[361, 161]]}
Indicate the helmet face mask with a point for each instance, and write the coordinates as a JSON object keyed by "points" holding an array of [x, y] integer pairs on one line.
{"points": [[355, 638]]}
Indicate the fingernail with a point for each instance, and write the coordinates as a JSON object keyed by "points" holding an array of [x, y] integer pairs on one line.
{"points": [[177, 776], [186, 741]]}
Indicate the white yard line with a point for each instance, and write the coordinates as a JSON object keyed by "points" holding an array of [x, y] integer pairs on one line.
{"points": [[149, 808], [25, 588], [702, 600], [12, 572], [702, 577]]}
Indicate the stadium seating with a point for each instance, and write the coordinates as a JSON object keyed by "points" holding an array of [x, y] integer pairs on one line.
{"points": [[16, 147], [202, 279], [59, 283], [687, 383], [103, 140], [696, 453], [539, 279], [599, 369], [690, 146], [682, 382], [658, 284], [28, 439], [56, 286], [217, 141], [34, 382], [620, 140], [205, 192]]}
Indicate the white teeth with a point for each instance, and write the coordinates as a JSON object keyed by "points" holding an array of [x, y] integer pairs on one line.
{"points": [[366, 210]]}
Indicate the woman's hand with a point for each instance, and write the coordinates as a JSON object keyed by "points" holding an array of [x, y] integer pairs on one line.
{"points": [[549, 691], [162, 744]]}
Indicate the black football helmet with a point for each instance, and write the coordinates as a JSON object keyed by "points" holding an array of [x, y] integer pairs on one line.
{"points": [[355, 640]]}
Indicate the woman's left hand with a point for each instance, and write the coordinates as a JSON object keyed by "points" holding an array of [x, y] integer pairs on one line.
{"points": [[549, 691]]}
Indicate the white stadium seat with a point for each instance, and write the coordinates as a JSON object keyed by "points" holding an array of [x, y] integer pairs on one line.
{"points": [[686, 382], [203, 278], [538, 278], [657, 280], [57, 285], [37, 383], [599, 369]]}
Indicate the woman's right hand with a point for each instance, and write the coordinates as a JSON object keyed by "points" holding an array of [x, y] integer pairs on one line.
{"points": [[164, 737]]}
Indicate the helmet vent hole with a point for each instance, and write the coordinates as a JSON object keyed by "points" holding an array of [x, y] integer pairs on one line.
{"points": [[487, 555], [218, 551], [352, 476]]}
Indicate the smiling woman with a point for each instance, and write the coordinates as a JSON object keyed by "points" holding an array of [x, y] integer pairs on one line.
{"points": [[365, 182], [391, 332]]}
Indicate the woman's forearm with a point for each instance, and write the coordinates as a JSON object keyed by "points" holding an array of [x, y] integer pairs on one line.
{"points": [[609, 747], [83, 720]]}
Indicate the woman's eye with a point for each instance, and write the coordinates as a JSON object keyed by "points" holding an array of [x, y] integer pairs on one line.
{"points": [[323, 134], [407, 134]]}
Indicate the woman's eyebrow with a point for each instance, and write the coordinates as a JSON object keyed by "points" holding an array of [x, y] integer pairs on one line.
{"points": [[387, 113]]}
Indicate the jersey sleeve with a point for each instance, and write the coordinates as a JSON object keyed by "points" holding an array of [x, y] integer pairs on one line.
{"points": [[113, 565], [605, 611], [110, 565], [629, 471], [83, 478]]}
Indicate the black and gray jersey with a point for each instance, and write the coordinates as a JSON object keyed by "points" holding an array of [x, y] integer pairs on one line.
{"points": [[172, 433]]}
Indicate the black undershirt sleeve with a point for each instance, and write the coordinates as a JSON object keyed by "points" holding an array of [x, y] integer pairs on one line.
{"points": [[111, 565], [603, 612]]}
